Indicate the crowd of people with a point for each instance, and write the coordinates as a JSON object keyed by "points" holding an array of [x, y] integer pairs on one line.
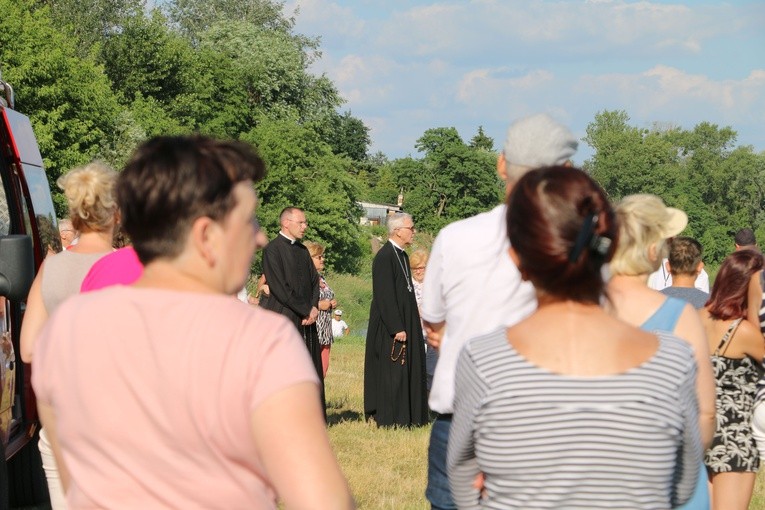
{"points": [[567, 351]]}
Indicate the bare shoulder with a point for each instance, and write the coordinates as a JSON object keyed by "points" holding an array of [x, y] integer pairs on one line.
{"points": [[749, 331]]}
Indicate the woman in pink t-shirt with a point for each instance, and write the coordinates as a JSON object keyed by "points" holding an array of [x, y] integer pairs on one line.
{"points": [[172, 393]]}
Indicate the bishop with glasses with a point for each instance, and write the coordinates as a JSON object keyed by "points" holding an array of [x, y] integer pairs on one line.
{"points": [[394, 366]]}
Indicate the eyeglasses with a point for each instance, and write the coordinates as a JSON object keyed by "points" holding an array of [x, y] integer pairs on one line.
{"points": [[410, 228]]}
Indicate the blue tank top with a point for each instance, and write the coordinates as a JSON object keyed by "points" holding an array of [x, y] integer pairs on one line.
{"points": [[666, 317]]}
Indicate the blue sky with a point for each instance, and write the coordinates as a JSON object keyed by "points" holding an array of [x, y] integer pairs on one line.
{"points": [[407, 66]]}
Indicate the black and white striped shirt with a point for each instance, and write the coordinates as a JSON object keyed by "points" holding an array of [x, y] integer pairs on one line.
{"points": [[546, 440], [760, 395]]}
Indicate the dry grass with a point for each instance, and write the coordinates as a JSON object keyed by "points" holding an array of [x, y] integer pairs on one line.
{"points": [[387, 469]]}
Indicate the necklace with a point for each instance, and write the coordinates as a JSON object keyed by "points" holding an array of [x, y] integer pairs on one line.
{"points": [[406, 274]]}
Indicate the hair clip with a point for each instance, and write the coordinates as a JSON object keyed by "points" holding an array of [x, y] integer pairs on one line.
{"points": [[584, 237]]}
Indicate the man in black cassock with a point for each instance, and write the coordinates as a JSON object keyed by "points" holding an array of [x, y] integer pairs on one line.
{"points": [[394, 366], [294, 283]]}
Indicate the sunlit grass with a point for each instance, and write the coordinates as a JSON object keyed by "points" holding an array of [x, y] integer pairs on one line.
{"points": [[387, 468]]}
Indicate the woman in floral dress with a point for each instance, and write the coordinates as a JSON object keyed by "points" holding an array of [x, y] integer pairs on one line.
{"points": [[737, 347], [327, 303]]}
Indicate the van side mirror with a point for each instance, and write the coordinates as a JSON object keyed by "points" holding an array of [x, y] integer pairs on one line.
{"points": [[16, 266]]}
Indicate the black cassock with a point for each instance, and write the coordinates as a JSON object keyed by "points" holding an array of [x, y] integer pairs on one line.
{"points": [[294, 288], [394, 393]]}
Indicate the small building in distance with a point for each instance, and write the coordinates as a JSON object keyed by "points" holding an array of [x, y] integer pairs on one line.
{"points": [[377, 214]]}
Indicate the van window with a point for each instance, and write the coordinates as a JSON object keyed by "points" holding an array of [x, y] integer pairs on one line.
{"points": [[45, 215]]}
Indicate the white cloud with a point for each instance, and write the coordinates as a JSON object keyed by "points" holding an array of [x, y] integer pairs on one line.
{"points": [[406, 66], [481, 85], [326, 18], [665, 91]]}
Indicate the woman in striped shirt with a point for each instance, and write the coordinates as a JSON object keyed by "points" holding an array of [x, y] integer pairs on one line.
{"points": [[572, 408]]}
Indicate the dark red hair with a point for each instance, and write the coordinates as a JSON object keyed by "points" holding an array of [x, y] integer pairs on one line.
{"points": [[564, 229], [728, 299]]}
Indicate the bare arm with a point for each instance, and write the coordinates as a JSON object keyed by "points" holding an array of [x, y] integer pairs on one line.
{"points": [[291, 436], [690, 329], [34, 318], [435, 331]]}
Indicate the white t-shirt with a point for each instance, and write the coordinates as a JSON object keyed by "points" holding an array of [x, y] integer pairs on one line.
{"points": [[338, 328], [661, 279], [471, 283]]}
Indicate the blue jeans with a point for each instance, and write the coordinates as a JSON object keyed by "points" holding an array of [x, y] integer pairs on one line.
{"points": [[438, 492]]}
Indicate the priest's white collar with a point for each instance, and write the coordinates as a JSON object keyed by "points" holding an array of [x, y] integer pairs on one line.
{"points": [[292, 241], [394, 244]]}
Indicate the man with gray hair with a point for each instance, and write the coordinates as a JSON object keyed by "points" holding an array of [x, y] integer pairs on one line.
{"points": [[394, 364], [472, 287]]}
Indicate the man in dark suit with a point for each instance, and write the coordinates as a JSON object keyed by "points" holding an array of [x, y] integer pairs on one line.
{"points": [[394, 366], [293, 282]]}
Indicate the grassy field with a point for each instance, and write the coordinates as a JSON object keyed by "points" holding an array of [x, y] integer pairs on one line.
{"points": [[387, 469]]}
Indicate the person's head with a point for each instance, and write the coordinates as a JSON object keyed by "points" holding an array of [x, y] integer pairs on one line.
{"points": [[66, 232], [292, 222], [744, 239], [193, 194], [317, 254], [338, 315], [418, 260], [728, 299], [534, 142], [562, 229], [90, 195], [685, 257], [645, 226], [401, 228]]}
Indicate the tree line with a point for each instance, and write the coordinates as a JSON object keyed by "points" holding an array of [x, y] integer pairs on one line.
{"points": [[99, 76], [719, 185]]}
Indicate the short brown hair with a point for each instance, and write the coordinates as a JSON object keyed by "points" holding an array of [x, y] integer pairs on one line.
{"points": [[170, 181], [684, 255]]}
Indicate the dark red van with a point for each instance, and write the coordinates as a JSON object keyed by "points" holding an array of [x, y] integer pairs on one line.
{"points": [[28, 228]]}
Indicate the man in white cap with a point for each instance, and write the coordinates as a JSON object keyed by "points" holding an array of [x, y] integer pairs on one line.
{"points": [[339, 327], [471, 285]]}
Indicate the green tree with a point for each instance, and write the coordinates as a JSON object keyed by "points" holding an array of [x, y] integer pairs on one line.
{"points": [[303, 172], [481, 141], [260, 74], [699, 171], [90, 21], [68, 98], [194, 17], [349, 136], [451, 182]]}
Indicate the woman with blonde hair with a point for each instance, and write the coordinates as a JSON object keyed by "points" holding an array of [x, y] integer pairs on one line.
{"points": [[645, 226], [327, 303], [90, 195]]}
